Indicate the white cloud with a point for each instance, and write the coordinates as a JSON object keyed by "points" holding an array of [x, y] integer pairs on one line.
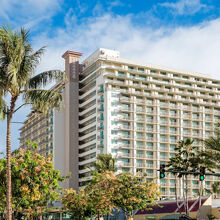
{"points": [[195, 48], [184, 6], [27, 13]]}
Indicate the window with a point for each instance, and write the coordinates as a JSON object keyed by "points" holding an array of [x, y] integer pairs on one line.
{"points": [[195, 124], [149, 145], [162, 128], [138, 134], [121, 74], [162, 146], [162, 120], [172, 112], [173, 139], [131, 68], [195, 115], [162, 154], [114, 132], [172, 147], [149, 109], [114, 150], [162, 138], [114, 141], [163, 111]]}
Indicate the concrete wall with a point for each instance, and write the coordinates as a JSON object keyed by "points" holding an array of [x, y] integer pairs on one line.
{"points": [[59, 144]]}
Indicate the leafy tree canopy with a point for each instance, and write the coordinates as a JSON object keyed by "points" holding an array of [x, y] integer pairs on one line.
{"points": [[35, 182], [131, 194]]}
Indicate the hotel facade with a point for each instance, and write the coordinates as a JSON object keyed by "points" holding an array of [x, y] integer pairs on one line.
{"points": [[136, 111]]}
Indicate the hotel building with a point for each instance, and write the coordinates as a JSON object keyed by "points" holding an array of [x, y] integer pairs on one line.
{"points": [[136, 111]]}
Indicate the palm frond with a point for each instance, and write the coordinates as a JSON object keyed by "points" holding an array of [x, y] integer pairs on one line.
{"points": [[12, 53], [29, 64], [43, 100], [45, 78], [3, 108], [18, 60]]}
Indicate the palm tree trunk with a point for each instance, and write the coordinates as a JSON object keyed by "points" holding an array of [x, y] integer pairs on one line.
{"points": [[184, 198], [8, 158], [187, 208], [176, 195], [200, 194]]}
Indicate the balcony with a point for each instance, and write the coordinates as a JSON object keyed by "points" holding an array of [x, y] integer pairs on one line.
{"points": [[186, 133], [173, 123], [163, 122], [149, 120], [142, 165], [122, 99], [140, 119], [173, 132], [140, 128], [125, 146], [163, 140], [196, 134], [149, 112], [140, 155], [173, 141], [121, 154], [124, 136], [149, 156], [124, 127], [149, 165], [149, 138], [140, 137], [149, 174], [140, 110], [125, 109], [140, 101], [124, 164], [140, 146], [123, 117]]}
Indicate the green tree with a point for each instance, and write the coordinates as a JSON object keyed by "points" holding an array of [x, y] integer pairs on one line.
{"points": [[95, 200], [77, 204], [104, 162], [101, 192], [131, 194], [18, 62], [35, 182]]}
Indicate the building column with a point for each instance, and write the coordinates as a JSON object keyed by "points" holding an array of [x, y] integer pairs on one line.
{"points": [[71, 117]]}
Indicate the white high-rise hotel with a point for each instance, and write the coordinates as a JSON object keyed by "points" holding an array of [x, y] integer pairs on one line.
{"points": [[136, 111]]}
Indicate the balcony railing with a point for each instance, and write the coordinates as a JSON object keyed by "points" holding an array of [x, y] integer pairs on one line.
{"points": [[140, 165], [125, 146], [124, 164]]}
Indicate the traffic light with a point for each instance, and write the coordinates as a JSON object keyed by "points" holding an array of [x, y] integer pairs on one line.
{"points": [[162, 171], [202, 173]]}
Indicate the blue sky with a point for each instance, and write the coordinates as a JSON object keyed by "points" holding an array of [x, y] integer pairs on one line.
{"points": [[177, 33]]}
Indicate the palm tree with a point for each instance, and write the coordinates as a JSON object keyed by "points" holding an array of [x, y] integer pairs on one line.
{"points": [[186, 159], [104, 162], [215, 189], [18, 62], [212, 148]]}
